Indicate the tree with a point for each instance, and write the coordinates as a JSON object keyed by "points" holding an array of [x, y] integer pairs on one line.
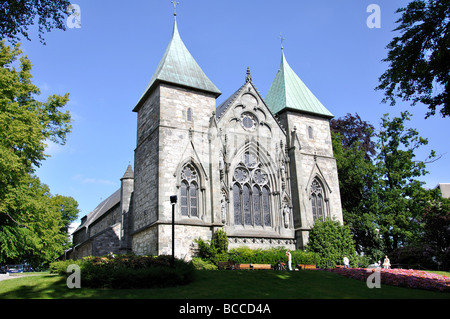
{"points": [[383, 199], [17, 16], [401, 199], [354, 148], [354, 132], [67, 208], [32, 223], [34, 228], [331, 241], [419, 59], [356, 181], [437, 231], [26, 123]]}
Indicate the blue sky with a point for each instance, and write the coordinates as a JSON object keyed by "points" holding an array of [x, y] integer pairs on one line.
{"points": [[107, 63]]}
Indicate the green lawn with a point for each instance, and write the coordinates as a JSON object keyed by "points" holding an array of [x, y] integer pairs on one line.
{"points": [[221, 285]]}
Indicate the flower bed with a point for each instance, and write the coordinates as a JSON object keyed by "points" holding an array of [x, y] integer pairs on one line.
{"points": [[400, 277]]}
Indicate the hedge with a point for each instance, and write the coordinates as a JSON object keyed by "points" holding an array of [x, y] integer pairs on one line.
{"points": [[245, 255], [129, 272]]}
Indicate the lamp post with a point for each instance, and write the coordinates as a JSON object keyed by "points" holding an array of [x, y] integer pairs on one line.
{"points": [[173, 201]]}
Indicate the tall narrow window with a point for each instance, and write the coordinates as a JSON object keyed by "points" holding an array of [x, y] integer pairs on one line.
{"points": [[184, 198], [310, 132], [194, 199], [189, 115], [189, 192], [251, 193], [266, 205], [256, 206], [317, 203], [247, 206], [237, 205]]}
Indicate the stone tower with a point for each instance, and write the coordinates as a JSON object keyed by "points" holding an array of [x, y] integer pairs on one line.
{"points": [[126, 193], [315, 184], [173, 155]]}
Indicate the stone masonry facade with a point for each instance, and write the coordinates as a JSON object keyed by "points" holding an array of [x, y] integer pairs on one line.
{"points": [[263, 178]]}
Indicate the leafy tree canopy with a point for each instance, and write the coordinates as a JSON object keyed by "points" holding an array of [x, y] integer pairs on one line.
{"points": [[419, 59], [26, 123], [17, 15], [33, 223], [383, 197]]}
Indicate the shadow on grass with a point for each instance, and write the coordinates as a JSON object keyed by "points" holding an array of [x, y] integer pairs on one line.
{"points": [[227, 284]]}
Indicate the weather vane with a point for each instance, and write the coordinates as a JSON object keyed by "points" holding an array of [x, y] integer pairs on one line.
{"points": [[282, 39], [175, 3]]}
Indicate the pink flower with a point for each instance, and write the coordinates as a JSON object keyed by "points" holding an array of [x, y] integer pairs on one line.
{"points": [[400, 277]]}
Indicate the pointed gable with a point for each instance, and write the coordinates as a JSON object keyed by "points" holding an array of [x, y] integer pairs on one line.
{"points": [[178, 66], [247, 100], [289, 92]]}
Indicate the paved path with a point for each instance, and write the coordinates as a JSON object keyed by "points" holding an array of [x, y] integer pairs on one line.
{"points": [[6, 277]]}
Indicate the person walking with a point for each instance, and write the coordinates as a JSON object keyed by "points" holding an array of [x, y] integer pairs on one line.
{"points": [[289, 255], [387, 263], [346, 262]]}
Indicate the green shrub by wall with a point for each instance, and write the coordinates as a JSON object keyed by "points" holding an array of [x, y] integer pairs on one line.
{"points": [[129, 272], [245, 255]]}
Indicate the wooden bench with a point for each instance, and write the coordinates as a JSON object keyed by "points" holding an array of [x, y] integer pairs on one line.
{"points": [[261, 266], [306, 266], [243, 266], [340, 266], [226, 265]]}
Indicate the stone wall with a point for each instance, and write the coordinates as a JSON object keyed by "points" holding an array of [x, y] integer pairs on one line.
{"points": [[107, 241], [311, 153], [146, 160], [168, 139], [112, 217], [145, 242]]}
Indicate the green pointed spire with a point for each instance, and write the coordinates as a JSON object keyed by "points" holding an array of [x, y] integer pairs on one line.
{"points": [[177, 66], [289, 92]]}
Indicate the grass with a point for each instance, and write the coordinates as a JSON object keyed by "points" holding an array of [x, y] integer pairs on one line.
{"points": [[222, 285]]}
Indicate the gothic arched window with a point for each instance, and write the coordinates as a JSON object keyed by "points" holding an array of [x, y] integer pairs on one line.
{"points": [[189, 191], [317, 200], [251, 193]]}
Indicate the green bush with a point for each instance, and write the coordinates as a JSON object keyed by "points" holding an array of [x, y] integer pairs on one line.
{"points": [[60, 267], [201, 264], [130, 272], [245, 255], [215, 250], [331, 241]]}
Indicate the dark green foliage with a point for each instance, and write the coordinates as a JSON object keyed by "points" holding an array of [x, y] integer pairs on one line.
{"points": [[437, 232], [17, 16], [382, 195], [130, 272], [245, 255], [33, 222], [331, 241], [419, 59], [201, 264], [216, 249]]}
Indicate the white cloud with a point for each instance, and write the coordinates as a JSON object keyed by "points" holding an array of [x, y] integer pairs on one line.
{"points": [[88, 180], [73, 227]]}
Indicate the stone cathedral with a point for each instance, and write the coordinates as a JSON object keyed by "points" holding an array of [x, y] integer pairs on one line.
{"points": [[260, 169]]}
